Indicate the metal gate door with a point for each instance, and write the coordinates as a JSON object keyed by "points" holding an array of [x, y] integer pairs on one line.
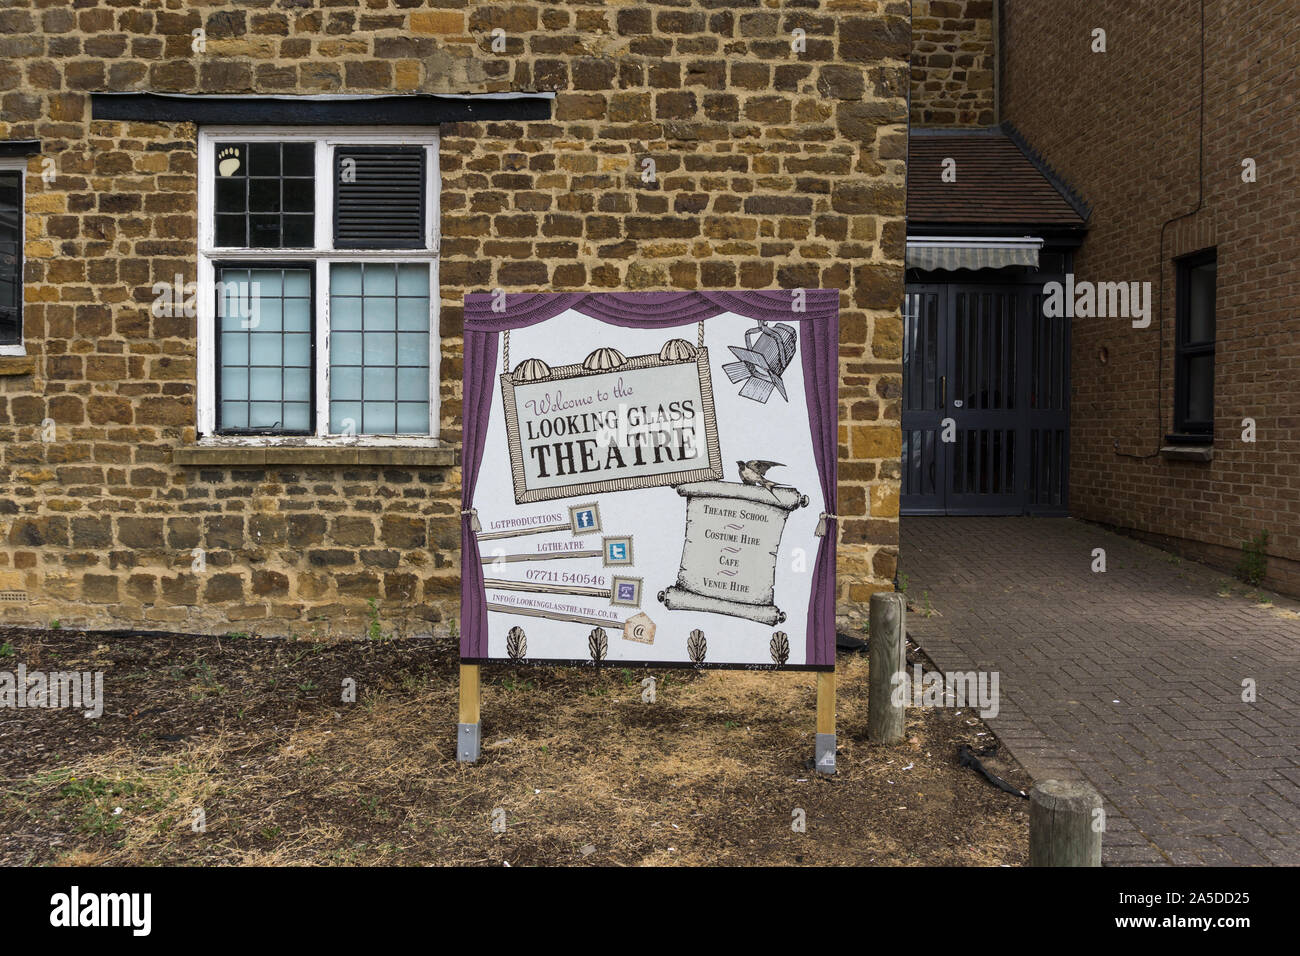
{"points": [[985, 402], [925, 460]]}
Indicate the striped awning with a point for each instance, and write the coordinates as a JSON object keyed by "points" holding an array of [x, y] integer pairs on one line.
{"points": [[949, 254]]}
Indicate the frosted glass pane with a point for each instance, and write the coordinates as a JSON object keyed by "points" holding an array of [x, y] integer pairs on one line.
{"points": [[297, 384], [380, 385], [297, 282], [413, 315], [412, 418], [266, 316], [345, 418], [345, 348], [381, 279], [264, 349], [267, 283], [297, 350], [234, 383], [345, 279], [381, 418], [345, 383], [413, 279], [264, 384], [234, 415], [381, 348], [381, 314], [413, 384], [264, 415], [297, 315], [234, 348], [297, 416], [236, 301], [233, 320], [345, 313], [413, 349]]}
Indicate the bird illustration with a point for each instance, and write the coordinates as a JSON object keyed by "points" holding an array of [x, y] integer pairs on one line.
{"points": [[755, 473]]}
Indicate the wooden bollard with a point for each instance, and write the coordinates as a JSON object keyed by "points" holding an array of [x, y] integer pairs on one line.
{"points": [[886, 708], [1065, 824]]}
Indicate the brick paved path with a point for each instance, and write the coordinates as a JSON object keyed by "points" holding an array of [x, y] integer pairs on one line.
{"points": [[1131, 679]]}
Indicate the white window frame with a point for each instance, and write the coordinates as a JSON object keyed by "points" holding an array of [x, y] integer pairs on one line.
{"points": [[19, 164], [323, 255]]}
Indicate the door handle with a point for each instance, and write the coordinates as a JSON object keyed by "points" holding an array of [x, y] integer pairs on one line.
{"points": [[943, 392]]}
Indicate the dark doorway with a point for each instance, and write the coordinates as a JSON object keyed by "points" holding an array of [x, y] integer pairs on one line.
{"points": [[986, 398]]}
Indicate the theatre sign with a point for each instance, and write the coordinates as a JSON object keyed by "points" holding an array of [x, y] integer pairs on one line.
{"points": [[648, 479]]}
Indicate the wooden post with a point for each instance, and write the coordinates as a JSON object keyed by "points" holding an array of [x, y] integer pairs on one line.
{"points": [[886, 702], [825, 748], [1065, 824], [468, 735]]}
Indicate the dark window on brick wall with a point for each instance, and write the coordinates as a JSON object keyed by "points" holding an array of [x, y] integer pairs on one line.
{"points": [[11, 257], [265, 195], [1194, 373]]}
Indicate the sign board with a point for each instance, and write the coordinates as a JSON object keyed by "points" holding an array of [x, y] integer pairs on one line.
{"points": [[647, 477], [574, 430]]}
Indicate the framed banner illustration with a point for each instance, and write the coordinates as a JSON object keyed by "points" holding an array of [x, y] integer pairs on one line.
{"points": [[576, 429], [650, 479]]}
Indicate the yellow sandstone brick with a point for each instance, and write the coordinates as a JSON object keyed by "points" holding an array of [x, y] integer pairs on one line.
{"points": [[884, 501], [257, 47], [407, 75], [438, 22], [35, 477], [876, 441], [47, 202]]}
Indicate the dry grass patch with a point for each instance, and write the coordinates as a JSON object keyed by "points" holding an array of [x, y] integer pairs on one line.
{"points": [[580, 770]]}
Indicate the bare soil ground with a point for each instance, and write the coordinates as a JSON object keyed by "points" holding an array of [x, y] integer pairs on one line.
{"points": [[253, 732]]}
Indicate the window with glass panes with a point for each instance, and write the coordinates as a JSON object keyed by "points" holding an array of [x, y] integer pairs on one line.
{"points": [[319, 275], [11, 256], [1194, 356]]}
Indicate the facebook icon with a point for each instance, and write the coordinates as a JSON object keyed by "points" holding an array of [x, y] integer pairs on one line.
{"points": [[584, 518]]}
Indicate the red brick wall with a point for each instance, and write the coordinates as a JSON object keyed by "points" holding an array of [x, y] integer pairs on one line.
{"points": [[1122, 128]]}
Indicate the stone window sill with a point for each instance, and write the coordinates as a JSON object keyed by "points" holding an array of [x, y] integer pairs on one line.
{"points": [[434, 456], [17, 364], [1188, 452]]}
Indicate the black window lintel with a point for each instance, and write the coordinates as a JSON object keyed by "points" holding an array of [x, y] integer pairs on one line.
{"points": [[330, 110]]}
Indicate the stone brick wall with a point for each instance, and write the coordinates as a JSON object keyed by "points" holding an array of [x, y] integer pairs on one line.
{"points": [[1123, 127], [954, 55], [777, 168]]}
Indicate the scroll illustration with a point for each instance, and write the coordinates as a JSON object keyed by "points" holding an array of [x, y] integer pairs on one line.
{"points": [[733, 535]]}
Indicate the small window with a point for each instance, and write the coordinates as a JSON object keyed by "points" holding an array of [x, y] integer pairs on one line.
{"points": [[321, 246], [265, 195], [1194, 372], [11, 259]]}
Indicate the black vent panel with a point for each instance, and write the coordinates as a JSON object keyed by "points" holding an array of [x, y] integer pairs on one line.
{"points": [[379, 197]]}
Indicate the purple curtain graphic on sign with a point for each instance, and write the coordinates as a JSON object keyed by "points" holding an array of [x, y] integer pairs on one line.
{"points": [[818, 328], [480, 373]]}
